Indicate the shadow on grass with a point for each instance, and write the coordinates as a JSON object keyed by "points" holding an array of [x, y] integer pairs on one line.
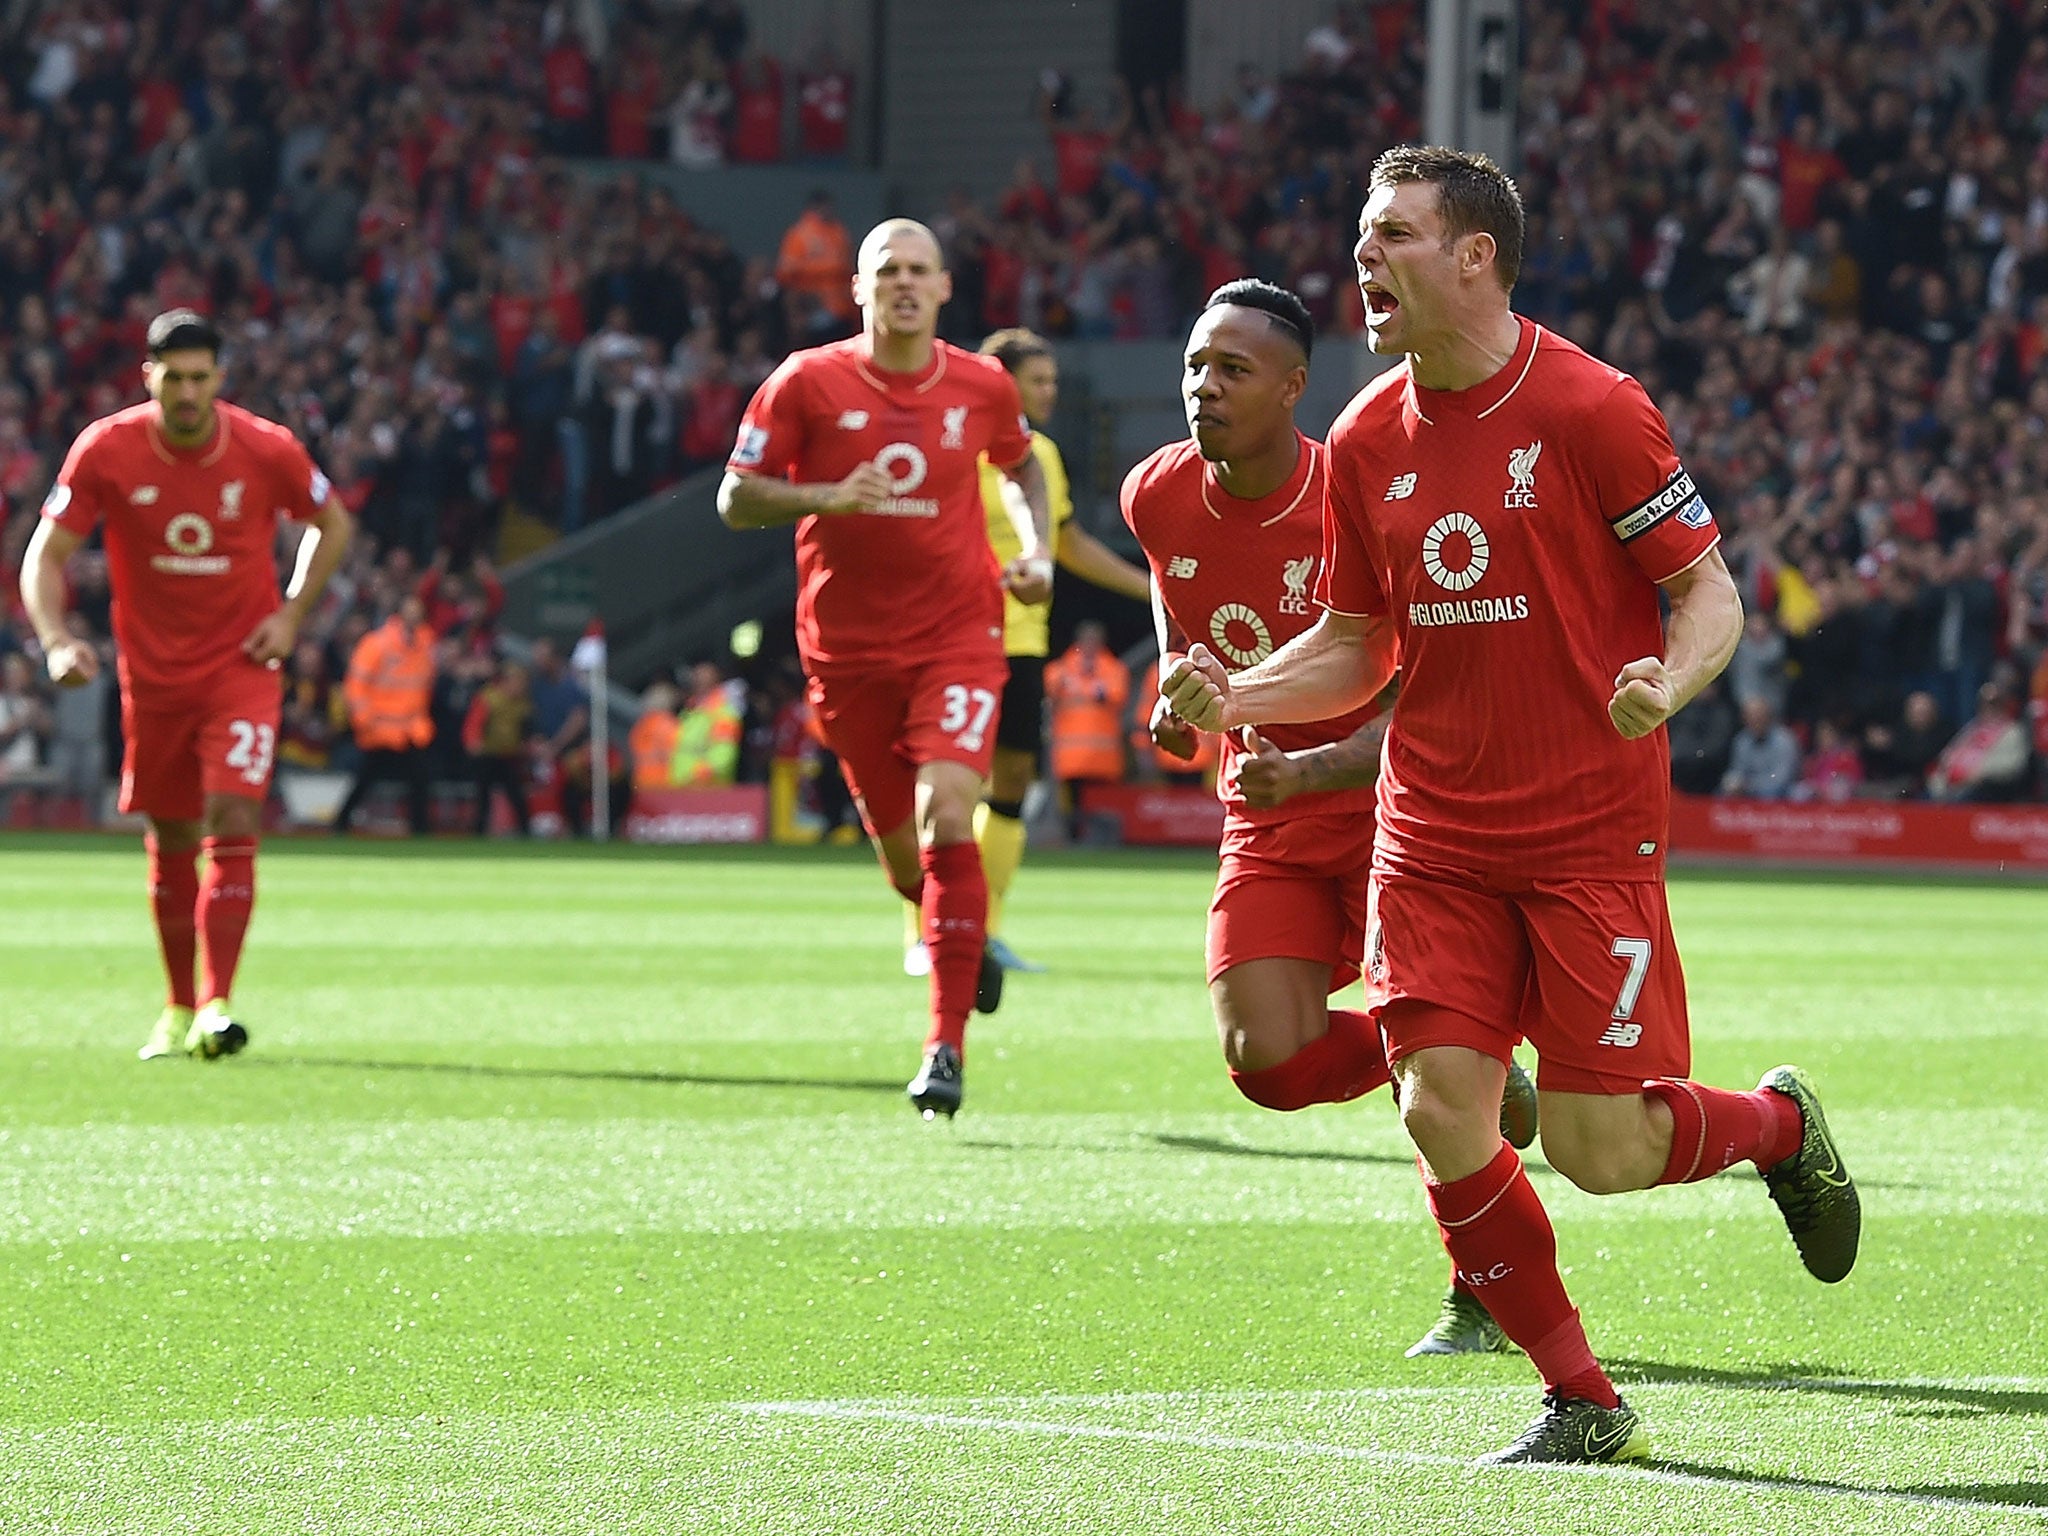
{"points": [[1940, 1400], [578, 1075], [1220, 1148], [1990, 1495]]}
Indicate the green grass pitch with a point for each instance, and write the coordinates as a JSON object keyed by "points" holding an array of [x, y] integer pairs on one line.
{"points": [[574, 1191]]}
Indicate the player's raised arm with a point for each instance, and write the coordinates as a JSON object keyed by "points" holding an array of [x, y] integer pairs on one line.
{"points": [[1699, 639], [1335, 667], [70, 661], [764, 501], [320, 550]]}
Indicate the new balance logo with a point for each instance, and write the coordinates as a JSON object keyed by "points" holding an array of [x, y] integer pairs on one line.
{"points": [[1182, 567], [143, 496], [1402, 488], [1622, 1034], [852, 421]]}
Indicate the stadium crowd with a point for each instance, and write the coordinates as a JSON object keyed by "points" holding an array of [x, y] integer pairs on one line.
{"points": [[1819, 236]]}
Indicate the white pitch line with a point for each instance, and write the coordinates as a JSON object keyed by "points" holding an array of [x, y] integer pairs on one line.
{"points": [[852, 1411]]}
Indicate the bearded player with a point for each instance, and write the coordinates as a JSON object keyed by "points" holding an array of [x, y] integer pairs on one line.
{"points": [[872, 447], [188, 491], [1505, 517], [1231, 523]]}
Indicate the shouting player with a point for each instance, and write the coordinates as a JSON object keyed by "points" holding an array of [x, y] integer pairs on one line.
{"points": [[1503, 511], [189, 490], [872, 448], [1231, 521], [1027, 627]]}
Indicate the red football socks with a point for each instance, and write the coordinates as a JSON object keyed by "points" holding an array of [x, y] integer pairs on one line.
{"points": [[1347, 1061], [1502, 1248], [955, 914], [1716, 1128], [226, 898], [173, 898]]}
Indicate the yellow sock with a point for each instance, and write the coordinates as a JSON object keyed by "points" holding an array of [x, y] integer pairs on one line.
{"points": [[913, 925], [1002, 850]]}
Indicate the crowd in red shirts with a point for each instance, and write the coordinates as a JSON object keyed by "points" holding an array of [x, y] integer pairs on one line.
{"points": [[1819, 235]]}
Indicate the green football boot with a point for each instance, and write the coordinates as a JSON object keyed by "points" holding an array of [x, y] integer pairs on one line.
{"points": [[1573, 1431], [1463, 1327], [1812, 1187], [1518, 1107], [167, 1035]]}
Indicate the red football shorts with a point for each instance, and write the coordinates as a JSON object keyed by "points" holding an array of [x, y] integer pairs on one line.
{"points": [[1292, 890], [1586, 970], [886, 721], [218, 737]]}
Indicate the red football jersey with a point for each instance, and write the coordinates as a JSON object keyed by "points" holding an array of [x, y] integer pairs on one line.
{"points": [[191, 534], [1238, 576], [1514, 535], [916, 575]]}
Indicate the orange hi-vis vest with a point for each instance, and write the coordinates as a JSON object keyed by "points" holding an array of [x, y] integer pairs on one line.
{"points": [[652, 746], [1088, 697], [1208, 745], [390, 689]]}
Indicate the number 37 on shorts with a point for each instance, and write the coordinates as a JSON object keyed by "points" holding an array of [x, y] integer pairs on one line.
{"points": [[966, 714]]}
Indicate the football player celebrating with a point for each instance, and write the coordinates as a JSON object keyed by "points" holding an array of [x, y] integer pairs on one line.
{"points": [[1231, 522], [1504, 513]]}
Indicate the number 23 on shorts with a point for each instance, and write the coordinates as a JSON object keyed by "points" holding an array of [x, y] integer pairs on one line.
{"points": [[250, 752]]}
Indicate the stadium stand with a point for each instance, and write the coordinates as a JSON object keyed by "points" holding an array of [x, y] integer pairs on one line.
{"points": [[1819, 236]]}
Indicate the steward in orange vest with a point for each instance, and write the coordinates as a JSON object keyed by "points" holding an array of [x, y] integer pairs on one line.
{"points": [[390, 685], [1087, 688], [390, 690]]}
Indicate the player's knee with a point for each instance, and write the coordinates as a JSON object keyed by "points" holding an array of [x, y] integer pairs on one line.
{"points": [[1594, 1166], [233, 816], [1436, 1124]]}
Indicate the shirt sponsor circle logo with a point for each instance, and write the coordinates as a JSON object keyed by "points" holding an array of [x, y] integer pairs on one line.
{"points": [[1458, 536], [1234, 624]]}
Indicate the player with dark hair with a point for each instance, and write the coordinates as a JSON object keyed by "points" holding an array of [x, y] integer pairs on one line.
{"points": [[1503, 513], [1027, 627], [1231, 521], [188, 490], [872, 447]]}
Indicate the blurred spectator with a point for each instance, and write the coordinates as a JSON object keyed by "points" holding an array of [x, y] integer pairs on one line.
{"points": [[652, 743], [496, 732], [757, 112], [824, 106], [390, 688], [1834, 769], [1086, 689], [707, 751], [315, 718], [24, 722], [1757, 670], [1763, 763], [77, 754], [816, 259], [1899, 756], [1987, 761], [1702, 736]]}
